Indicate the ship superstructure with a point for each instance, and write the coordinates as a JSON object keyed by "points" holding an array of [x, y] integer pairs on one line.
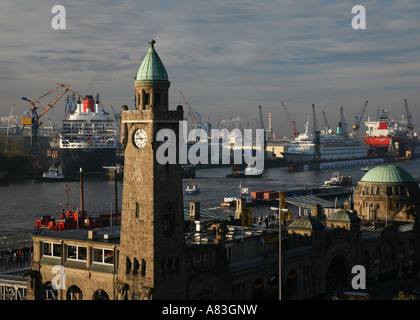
{"points": [[331, 146], [87, 138]]}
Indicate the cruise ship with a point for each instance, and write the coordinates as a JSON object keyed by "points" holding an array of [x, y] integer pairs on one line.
{"points": [[332, 147], [87, 139]]}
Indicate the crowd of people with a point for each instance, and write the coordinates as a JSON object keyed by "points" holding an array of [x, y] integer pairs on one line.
{"points": [[15, 256]]}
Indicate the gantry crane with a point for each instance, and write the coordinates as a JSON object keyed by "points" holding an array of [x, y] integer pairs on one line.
{"points": [[358, 120], [32, 118], [292, 123]]}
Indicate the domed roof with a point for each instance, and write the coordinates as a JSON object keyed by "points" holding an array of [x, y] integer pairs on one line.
{"points": [[343, 216], [388, 174], [152, 68], [306, 223]]}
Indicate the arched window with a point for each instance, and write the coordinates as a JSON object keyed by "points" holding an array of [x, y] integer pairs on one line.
{"points": [[74, 293], [100, 295]]}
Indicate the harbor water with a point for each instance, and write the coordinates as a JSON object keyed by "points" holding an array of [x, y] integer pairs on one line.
{"points": [[21, 203]]}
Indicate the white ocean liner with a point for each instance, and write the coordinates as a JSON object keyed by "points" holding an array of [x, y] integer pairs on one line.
{"points": [[87, 138], [333, 146]]}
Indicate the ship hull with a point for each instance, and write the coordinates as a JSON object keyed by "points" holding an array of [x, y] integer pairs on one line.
{"points": [[383, 142], [91, 160], [336, 154]]}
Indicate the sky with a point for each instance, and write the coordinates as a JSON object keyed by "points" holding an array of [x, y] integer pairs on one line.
{"points": [[225, 56]]}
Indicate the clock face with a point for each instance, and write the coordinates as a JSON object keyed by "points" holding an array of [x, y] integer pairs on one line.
{"points": [[140, 138]]}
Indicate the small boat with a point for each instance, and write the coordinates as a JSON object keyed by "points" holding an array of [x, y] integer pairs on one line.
{"points": [[365, 169], [52, 174], [337, 180], [192, 188]]}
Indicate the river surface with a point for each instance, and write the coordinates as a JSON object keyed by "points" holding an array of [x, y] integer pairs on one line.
{"points": [[21, 203]]}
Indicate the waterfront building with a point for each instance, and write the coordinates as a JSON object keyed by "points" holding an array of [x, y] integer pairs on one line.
{"points": [[387, 193]]}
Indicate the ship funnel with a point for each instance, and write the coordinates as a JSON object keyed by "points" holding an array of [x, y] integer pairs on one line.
{"points": [[88, 104], [79, 106], [97, 106], [339, 128]]}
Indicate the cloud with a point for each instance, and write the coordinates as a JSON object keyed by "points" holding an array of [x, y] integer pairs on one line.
{"points": [[225, 56]]}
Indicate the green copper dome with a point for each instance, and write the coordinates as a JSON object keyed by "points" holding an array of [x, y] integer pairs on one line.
{"points": [[152, 69], [388, 174], [306, 223]]}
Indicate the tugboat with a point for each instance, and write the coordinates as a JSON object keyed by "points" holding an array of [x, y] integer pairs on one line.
{"points": [[249, 172], [337, 180], [192, 188], [52, 174]]}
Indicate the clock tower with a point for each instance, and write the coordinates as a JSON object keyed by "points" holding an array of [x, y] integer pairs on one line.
{"points": [[152, 243]]}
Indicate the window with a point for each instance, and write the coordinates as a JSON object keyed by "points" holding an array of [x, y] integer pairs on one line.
{"points": [[51, 249], [103, 256], [157, 99], [76, 252], [146, 99], [198, 258], [229, 252], [137, 209]]}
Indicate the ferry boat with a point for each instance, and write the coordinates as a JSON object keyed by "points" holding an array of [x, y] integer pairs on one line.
{"points": [[332, 146], [87, 138], [338, 180]]}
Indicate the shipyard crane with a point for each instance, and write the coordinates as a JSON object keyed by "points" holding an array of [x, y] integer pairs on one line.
{"points": [[261, 118], [408, 116], [358, 120], [317, 151], [195, 117], [292, 123], [327, 125], [32, 117], [343, 120]]}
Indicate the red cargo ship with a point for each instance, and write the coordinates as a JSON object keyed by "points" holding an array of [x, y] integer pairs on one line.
{"points": [[386, 132]]}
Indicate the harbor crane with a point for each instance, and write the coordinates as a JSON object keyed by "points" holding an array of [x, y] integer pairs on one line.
{"points": [[317, 147], [408, 116], [32, 117], [343, 120], [327, 125], [261, 118], [292, 123], [195, 117], [358, 120]]}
